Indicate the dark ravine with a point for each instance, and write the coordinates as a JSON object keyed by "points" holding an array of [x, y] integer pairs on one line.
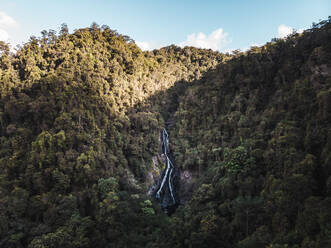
{"points": [[166, 190]]}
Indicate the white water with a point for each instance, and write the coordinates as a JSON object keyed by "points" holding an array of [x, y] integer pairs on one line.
{"points": [[163, 180], [170, 187], [165, 141]]}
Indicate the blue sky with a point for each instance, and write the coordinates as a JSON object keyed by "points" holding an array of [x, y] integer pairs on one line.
{"points": [[220, 25]]}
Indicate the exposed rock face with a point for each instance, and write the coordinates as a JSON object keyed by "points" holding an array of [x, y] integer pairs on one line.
{"points": [[154, 175], [165, 185], [182, 181]]}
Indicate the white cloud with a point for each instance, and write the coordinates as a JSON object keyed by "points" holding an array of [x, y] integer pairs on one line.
{"points": [[144, 45], [250, 46], [216, 40], [300, 30], [4, 36], [6, 20], [284, 31], [148, 46]]}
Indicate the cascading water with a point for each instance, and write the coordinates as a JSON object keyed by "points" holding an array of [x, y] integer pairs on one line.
{"points": [[166, 194]]}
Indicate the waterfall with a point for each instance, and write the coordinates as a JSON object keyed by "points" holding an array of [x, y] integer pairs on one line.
{"points": [[166, 193]]}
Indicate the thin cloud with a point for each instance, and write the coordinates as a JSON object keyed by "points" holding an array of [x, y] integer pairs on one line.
{"points": [[216, 40], [4, 36], [6, 20]]}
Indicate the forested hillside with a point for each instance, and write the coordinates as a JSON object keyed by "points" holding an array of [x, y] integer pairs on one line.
{"points": [[257, 130], [80, 119]]}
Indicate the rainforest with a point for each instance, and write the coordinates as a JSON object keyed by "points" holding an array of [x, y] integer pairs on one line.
{"points": [[99, 139]]}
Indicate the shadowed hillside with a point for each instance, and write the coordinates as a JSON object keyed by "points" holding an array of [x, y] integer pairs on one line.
{"points": [[256, 131], [80, 116]]}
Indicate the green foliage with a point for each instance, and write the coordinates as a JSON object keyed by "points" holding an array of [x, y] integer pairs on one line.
{"points": [[236, 159], [107, 185], [256, 131], [80, 115], [146, 207]]}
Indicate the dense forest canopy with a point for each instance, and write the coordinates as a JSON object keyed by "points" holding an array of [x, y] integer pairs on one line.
{"points": [[80, 119]]}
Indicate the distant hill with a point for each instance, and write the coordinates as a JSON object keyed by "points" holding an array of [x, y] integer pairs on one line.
{"points": [[80, 118]]}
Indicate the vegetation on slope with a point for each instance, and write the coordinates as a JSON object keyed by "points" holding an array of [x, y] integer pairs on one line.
{"points": [[257, 130], [80, 116], [74, 150]]}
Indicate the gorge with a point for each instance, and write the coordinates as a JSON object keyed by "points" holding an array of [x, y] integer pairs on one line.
{"points": [[166, 193], [80, 118]]}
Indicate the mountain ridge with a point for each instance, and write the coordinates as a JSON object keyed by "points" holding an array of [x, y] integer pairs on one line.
{"points": [[80, 117]]}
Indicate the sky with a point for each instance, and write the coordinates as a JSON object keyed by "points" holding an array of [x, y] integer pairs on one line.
{"points": [[216, 24]]}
